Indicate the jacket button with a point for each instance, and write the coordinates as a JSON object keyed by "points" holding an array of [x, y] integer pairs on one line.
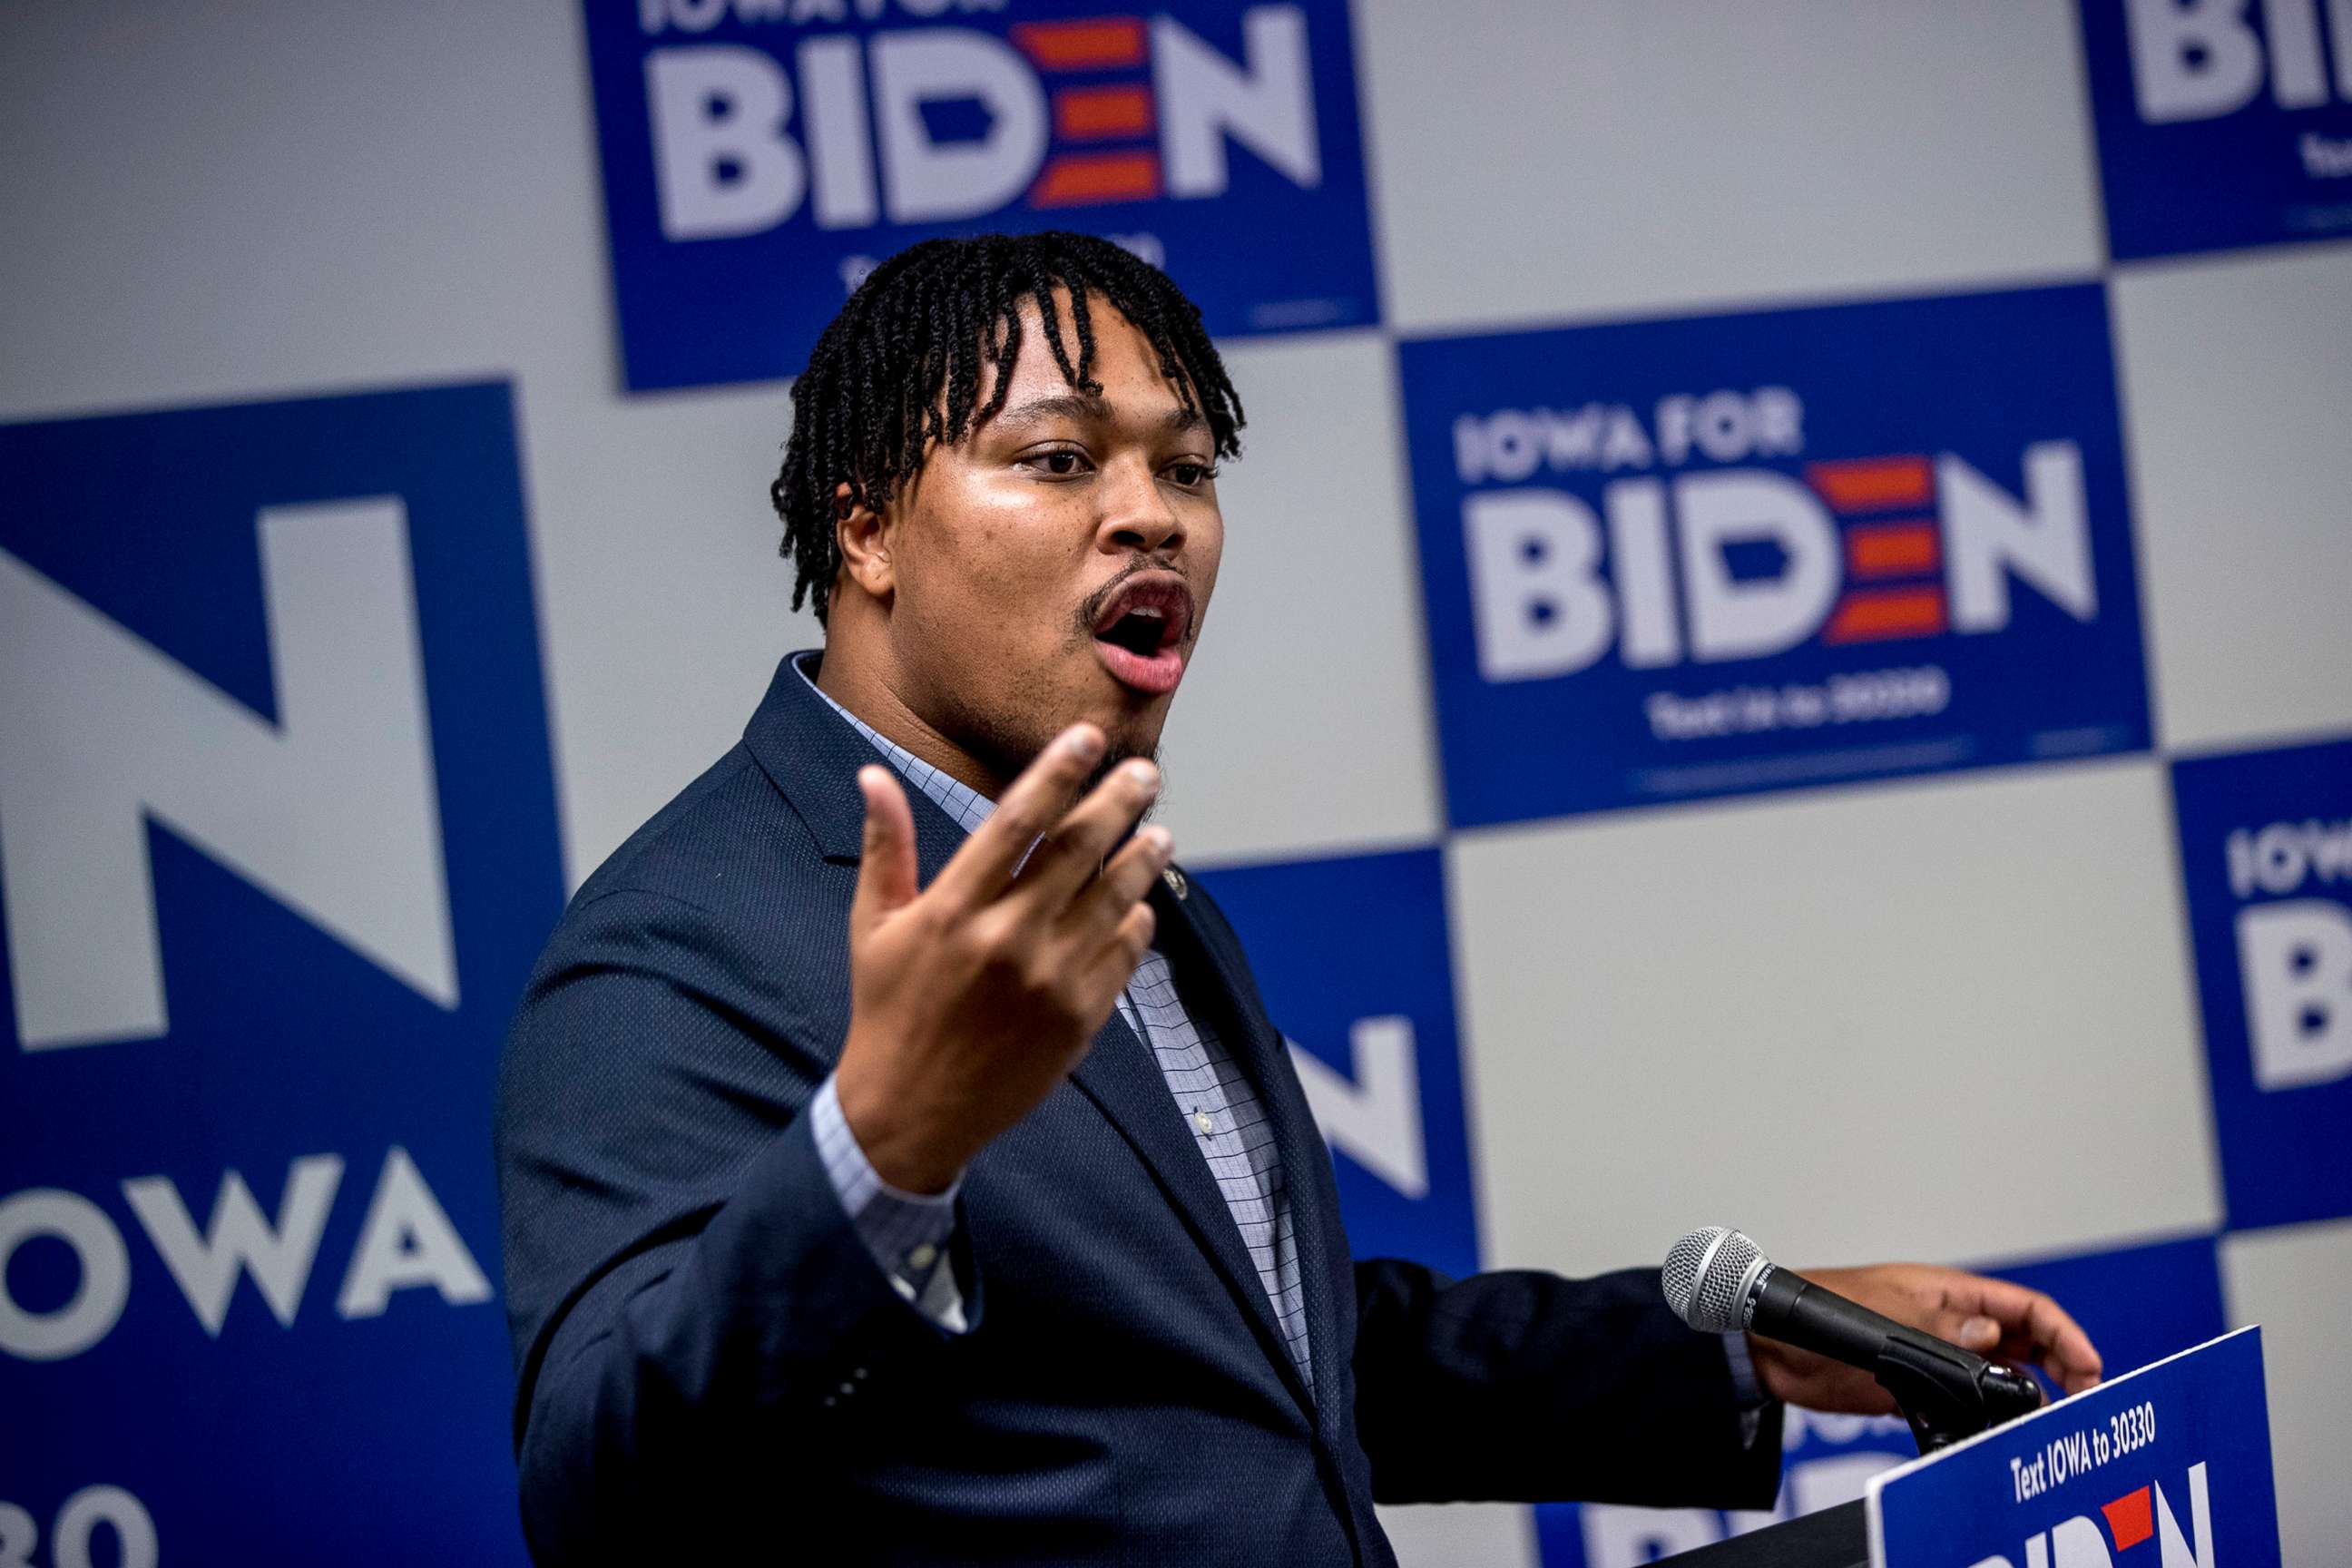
{"points": [[1175, 881]]}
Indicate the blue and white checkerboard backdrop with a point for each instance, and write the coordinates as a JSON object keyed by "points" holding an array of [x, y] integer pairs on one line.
{"points": [[1799, 548]]}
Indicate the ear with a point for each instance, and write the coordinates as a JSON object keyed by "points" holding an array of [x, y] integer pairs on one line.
{"points": [[865, 545]]}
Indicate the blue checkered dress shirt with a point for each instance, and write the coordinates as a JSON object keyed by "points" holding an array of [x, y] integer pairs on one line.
{"points": [[907, 1232]]}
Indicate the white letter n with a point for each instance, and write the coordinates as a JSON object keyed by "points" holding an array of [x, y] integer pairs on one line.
{"points": [[1375, 1116], [1267, 104], [332, 810]]}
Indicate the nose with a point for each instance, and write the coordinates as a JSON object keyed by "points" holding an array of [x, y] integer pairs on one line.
{"points": [[1136, 514]]}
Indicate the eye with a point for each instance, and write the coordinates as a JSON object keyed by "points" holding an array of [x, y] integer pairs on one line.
{"points": [[1061, 462], [1190, 472]]}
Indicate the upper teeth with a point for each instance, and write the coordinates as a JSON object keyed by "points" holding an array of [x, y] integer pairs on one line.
{"points": [[1151, 610]]}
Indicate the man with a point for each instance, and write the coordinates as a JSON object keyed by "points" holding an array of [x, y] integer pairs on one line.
{"points": [[913, 1175]]}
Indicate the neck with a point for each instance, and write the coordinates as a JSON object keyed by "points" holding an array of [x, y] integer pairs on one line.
{"points": [[873, 689]]}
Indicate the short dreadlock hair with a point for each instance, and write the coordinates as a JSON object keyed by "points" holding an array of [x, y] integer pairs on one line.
{"points": [[899, 368]]}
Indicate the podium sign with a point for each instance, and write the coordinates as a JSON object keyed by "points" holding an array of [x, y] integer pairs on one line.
{"points": [[2168, 1467]]}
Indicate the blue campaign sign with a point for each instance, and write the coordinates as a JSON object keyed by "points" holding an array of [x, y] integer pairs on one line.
{"points": [[2173, 1460], [278, 843], [2266, 853], [2138, 1304], [760, 157], [2220, 124], [1351, 956], [1676, 559]]}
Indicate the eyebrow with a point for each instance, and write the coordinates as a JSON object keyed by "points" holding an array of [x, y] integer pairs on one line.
{"points": [[1179, 420]]}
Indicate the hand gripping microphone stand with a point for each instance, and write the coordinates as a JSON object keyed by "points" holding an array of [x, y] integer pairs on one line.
{"points": [[1719, 1281], [1944, 1392]]}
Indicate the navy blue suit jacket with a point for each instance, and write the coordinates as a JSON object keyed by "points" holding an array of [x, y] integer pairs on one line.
{"points": [[705, 1348]]}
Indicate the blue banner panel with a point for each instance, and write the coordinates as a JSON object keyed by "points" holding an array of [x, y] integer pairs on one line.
{"points": [[2221, 123], [1677, 559], [760, 157], [2138, 1304], [2173, 1460], [2266, 852], [277, 840], [1351, 956]]}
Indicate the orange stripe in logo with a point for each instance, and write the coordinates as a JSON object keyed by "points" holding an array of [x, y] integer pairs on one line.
{"points": [[1081, 178], [1098, 43], [1101, 113], [1876, 615], [2130, 1519], [1903, 549], [1872, 484]]}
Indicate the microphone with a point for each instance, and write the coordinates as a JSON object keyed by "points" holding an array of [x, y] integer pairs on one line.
{"points": [[1719, 1281]]}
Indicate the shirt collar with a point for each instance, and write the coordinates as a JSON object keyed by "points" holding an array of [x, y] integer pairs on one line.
{"points": [[965, 806]]}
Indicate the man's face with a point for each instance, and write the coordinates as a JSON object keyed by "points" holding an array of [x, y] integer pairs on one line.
{"points": [[1057, 563]]}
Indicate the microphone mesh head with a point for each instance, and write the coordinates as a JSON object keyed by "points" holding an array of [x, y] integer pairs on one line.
{"points": [[1706, 1279]]}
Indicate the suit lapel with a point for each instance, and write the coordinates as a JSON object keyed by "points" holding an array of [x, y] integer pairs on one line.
{"points": [[1122, 1078], [1204, 954]]}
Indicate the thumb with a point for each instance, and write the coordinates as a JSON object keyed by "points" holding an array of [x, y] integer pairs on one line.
{"points": [[886, 871]]}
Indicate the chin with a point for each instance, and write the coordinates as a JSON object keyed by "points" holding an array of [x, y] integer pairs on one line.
{"points": [[1030, 711], [1133, 727], [1123, 747]]}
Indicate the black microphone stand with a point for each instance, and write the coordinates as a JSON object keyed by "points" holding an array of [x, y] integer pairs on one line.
{"points": [[1946, 1394]]}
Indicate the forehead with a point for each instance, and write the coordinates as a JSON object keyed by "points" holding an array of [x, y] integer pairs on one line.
{"points": [[1124, 361]]}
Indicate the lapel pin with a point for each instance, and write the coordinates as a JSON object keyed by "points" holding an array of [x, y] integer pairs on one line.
{"points": [[1175, 881]]}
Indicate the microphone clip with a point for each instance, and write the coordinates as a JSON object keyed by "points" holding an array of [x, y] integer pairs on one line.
{"points": [[1946, 1394]]}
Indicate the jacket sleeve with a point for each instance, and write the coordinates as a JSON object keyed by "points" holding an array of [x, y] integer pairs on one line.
{"points": [[1522, 1386], [685, 1287]]}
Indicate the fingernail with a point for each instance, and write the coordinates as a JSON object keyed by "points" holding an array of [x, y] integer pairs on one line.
{"points": [[1084, 742], [1980, 1330], [1143, 776], [1159, 841]]}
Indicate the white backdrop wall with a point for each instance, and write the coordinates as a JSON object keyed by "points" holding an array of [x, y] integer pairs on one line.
{"points": [[1729, 1009]]}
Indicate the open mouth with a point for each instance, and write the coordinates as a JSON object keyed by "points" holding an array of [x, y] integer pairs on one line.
{"points": [[1140, 632]]}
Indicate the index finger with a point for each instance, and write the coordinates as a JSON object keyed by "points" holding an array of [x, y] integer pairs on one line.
{"points": [[2055, 1341], [978, 870]]}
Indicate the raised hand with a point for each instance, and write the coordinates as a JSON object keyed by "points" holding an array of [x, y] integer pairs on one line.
{"points": [[972, 999]]}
